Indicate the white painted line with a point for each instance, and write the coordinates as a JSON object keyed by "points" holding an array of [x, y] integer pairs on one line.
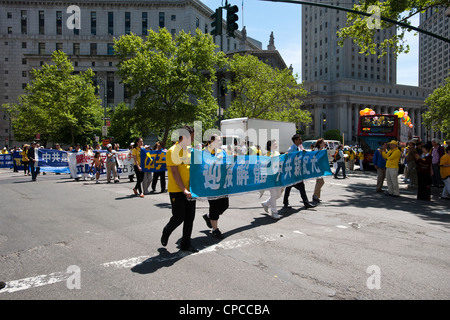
{"points": [[33, 282], [341, 227], [42, 280]]}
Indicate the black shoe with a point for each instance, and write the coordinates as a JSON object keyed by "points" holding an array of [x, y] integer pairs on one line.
{"points": [[216, 233], [190, 249], [164, 239], [309, 205], [315, 199], [2, 285], [207, 220]]}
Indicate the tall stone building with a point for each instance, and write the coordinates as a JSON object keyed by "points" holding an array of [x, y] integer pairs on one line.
{"points": [[30, 30], [342, 82], [434, 54]]}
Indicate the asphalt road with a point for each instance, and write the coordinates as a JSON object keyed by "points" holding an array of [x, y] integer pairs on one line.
{"points": [[61, 239]]}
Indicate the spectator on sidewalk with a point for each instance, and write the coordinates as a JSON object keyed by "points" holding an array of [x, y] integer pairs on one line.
{"points": [[380, 166]]}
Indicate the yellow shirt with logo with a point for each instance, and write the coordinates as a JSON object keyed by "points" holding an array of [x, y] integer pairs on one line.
{"points": [[392, 158], [181, 158]]}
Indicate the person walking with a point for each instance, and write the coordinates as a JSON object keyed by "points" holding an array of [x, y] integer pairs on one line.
{"points": [[98, 165], [320, 145], [424, 173], [178, 159], [380, 166], [340, 161], [436, 153], [216, 206], [300, 186], [32, 157], [159, 175], [147, 176], [136, 154], [25, 160], [111, 164], [276, 192], [392, 160], [445, 173], [411, 164]]}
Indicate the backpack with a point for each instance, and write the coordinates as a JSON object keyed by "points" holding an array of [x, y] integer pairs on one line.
{"points": [[337, 156]]}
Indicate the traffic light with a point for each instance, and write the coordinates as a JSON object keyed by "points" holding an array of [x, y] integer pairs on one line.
{"points": [[231, 20], [217, 22]]}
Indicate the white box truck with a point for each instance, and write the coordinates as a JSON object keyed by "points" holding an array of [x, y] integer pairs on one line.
{"points": [[257, 132]]}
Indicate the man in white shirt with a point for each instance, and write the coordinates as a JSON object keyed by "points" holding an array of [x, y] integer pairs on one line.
{"points": [[300, 186]]}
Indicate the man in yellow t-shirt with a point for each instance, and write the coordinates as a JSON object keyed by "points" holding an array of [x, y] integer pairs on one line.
{"points": [[392, 159], [445, 173], [178, 160]]}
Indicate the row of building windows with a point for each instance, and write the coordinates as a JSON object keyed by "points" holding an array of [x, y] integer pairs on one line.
{"points": [[93, 22]]}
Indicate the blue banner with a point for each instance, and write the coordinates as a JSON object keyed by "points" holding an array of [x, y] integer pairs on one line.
{"points": [[50, 160], [153, 161], [213, 177], [6, 160]]}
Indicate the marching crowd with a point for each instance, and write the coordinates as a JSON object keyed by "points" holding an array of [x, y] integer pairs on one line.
{"points": [[427, 165]]}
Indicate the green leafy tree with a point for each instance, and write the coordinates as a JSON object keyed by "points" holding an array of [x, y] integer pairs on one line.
{"points": [[438, 114], [57, 104], [363, 29], [332, 134], [264, 92], [170, 78], [122, 125]]}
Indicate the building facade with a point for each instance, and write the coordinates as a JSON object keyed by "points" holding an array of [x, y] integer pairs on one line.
{"points": [[31, 30], [434, 54], [342, 82]]}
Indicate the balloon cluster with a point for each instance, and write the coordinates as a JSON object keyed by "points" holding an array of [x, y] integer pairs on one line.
{"points": [[404, 116], [366, 112]]}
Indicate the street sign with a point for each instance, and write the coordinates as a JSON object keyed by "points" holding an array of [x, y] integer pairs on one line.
{"points": [[104, 131]]}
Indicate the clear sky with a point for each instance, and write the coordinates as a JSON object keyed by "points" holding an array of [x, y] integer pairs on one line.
{"points": [[284, 19]]}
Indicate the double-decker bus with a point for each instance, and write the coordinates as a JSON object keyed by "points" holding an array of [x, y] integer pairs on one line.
{"points": [[375, 129]]}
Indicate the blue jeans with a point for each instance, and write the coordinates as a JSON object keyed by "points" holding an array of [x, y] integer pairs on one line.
{"points": [[339, 166]]}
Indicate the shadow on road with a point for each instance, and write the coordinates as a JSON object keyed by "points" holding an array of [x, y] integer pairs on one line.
{"points": [[166, 259], [436, 211]]}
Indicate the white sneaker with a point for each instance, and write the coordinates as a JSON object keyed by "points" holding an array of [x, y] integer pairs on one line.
{"points": [[266, 207], [275, 215]]}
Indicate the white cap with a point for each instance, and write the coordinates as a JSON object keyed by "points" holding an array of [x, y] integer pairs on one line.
{"points": [[109, 145]]}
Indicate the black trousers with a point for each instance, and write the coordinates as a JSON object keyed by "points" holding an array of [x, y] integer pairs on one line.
{"points": [[140, 178], [424, 187], [159, 175], [300, 187], [183, 211], [217, 207]]}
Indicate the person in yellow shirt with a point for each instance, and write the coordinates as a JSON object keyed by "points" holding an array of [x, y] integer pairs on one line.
{"points": [[136, 155], [351, 158], [392, 159], [4, 151], [445, 173], [361, 159], [25, 159], [178, 161]]}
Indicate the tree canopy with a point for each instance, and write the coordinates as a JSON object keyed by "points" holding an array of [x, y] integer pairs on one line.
{"points": [[264, 92], [58, 104], [438, 114], [170, 78], [363, 29]]}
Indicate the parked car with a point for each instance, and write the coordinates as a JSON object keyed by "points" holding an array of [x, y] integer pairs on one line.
{"points": [[331, 146]]}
